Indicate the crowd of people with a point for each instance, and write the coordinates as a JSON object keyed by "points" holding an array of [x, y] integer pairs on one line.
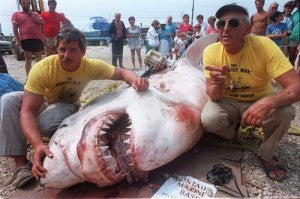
{"points": [[238, 77], [281, 27], [36, 33]]}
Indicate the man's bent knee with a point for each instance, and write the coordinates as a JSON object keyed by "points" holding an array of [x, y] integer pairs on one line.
{"points": [[214, 122], [11, 98]]}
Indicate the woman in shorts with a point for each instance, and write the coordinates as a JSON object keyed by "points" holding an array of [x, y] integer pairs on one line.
{"points": [[134, 41]]}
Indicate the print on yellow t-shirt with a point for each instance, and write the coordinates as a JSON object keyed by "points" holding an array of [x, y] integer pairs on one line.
{"points": [[251, 70], [48, 78]]}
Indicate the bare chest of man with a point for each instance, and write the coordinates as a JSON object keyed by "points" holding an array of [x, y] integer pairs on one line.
{"points": [[260, 19]]}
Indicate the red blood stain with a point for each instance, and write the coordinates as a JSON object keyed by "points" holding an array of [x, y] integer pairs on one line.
{"points": [[186, 115]]}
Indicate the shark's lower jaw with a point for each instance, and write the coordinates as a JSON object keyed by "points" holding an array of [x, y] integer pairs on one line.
{"points": [[112, 136]]}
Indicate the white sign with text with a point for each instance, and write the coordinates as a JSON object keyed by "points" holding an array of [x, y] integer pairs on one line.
{"points": [[185, 187]]}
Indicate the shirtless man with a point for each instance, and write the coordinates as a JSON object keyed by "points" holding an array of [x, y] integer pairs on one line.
{"points": [[259, 21]]}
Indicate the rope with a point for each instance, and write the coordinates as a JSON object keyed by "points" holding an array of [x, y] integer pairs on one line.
{"points": [[85, 101], [294, 130]]}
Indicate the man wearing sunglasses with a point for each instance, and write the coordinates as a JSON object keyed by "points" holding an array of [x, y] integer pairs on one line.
{"points": [[51, 94], [239, 70], [272, 9]]}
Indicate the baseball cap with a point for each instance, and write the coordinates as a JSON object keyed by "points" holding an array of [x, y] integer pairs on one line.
{"points": [[231, 8]]}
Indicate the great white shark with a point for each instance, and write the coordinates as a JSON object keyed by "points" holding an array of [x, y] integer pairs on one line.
{"points": [[125, 134]]}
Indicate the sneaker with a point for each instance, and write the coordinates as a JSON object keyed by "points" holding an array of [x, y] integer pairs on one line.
{"points": [[21, 176]]}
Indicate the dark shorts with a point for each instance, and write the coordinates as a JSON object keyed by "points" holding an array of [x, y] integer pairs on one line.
{"points": [[32, 45]]}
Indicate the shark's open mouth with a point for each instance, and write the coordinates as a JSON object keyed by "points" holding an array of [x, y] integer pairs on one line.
{"points": [[113, 145], [118, 135]]}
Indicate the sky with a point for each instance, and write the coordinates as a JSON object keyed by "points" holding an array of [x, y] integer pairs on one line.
{"points": [[80, 11]]}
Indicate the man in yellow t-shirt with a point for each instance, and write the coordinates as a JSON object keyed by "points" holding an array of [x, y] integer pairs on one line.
{"points": [[238, 71], [51, 94]]}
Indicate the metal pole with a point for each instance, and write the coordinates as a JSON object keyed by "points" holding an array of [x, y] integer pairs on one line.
{"points": [[193, 12], [18, 5]]}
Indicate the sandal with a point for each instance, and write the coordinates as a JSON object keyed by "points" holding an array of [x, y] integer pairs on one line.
{"points": [[274, 167], [21, 176]]}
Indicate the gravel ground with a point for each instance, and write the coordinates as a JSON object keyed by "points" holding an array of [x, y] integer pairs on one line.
{"points": [[258, 184]]}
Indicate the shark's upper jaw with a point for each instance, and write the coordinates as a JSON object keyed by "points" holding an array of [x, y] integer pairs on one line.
{"points": [[113, 148]]}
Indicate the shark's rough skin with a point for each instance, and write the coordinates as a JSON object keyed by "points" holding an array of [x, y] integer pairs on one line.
{"points": [[126, 133]]}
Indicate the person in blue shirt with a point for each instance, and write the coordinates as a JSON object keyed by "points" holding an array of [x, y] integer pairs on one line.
{"points": [[163, 35], [277, 30], [171, 27], [7, 83]]}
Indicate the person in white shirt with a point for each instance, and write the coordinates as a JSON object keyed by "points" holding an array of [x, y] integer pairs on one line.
{"points": [[203, 24], [152, 37], [198, 32], [180, 42]]}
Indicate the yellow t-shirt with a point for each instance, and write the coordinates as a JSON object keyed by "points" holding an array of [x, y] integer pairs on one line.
{"points": [[48, 78], [250, 70]]}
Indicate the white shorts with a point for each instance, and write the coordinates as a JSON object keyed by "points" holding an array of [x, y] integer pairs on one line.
{"points": [[134, 43]]}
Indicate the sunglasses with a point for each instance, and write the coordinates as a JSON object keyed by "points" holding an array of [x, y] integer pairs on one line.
{"points": [[273, 8], [232, 23], [72, 35]]}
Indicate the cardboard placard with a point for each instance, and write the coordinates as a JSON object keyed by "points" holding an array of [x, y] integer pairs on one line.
{"points": [[185, 187]]}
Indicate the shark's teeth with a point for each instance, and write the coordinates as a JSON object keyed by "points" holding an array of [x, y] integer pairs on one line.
{"points": [[113, 117], [127, 141], [102, 132], [112, 167], [104, 148], [119, 173], [129, 152], [103, 142], [105, 126], [131, 164], [109, 122], [129, 178], [128, 133], [129, 121], [108, 159]]}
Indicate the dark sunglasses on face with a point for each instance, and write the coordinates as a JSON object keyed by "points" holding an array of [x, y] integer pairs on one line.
{"points": [[273, 8], [232, 23], [72, 35]]}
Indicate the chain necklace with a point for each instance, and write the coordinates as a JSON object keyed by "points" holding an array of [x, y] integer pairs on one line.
{"points": [[232, 83]]}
